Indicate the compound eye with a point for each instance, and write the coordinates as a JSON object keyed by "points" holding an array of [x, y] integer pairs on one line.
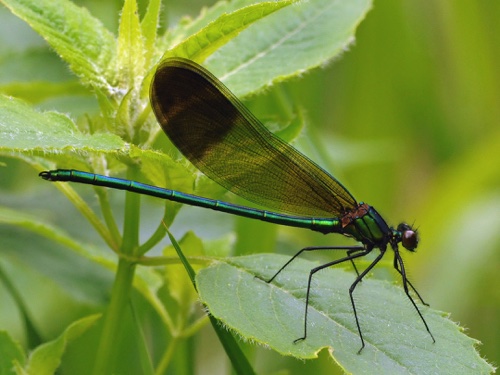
{"points": [[409, 239]]}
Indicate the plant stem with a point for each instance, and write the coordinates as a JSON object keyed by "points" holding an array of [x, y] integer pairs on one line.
{"points": [[157, 236], [167, 356], [90, 215], [122, 286], [107, 213], [113, 317], [130, 242]]}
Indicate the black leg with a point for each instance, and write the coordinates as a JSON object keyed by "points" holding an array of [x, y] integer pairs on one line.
{"points": [[350, 251], [396, 266], [401, 269], [351, 289]]}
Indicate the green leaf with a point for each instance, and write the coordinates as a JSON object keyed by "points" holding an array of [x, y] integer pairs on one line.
{"points": [[56, 234], [79, 38], [47, 357], [188, 26], [146, 281], [39, 91], [162, 170], [23, 129], [12, 354], [130, 59], [33, 336], [287, 43], [149, 27], [273, 315], [233, 351], [203, 43], [36, 75], [236, 356], [294, 128]]}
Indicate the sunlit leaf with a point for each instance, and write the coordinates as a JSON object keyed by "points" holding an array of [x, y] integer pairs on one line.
{"points": [[12, 354], [79, 38], [45, 359], [273, 315], [200, 45], [22, 129], [310, 33]]}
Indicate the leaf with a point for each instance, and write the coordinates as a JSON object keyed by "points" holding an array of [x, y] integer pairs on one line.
{"points": [[294, 128], [149, 26], [47, 357], [287, 43], [179, 278], [37, 75], [237, 357], [147, 281], [130, 59], [23, 129], [162, 170], [233, 351], [56, 234], [203, 43], [272, 314], [33, 337], [36, 92], [188, 26], [79, 38], [12, 353]]}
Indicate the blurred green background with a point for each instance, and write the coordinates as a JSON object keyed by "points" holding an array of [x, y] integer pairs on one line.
{"points": [[408, 119]]}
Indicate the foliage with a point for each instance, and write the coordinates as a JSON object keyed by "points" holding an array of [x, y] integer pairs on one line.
{"points": [[54, 265], [273, 316]]}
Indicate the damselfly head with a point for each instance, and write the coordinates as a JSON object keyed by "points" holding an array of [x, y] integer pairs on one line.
{"points": [[409, 236]]}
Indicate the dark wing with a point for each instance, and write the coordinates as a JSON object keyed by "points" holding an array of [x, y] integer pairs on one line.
{"points": [[216, 132]]}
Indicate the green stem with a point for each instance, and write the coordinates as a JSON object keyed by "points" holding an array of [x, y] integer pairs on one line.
{"points": [[84, 208], [120, 295], [195, 327], [107, 213], [233, 350], [130, 243], [157, 236], [167, 356]]}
